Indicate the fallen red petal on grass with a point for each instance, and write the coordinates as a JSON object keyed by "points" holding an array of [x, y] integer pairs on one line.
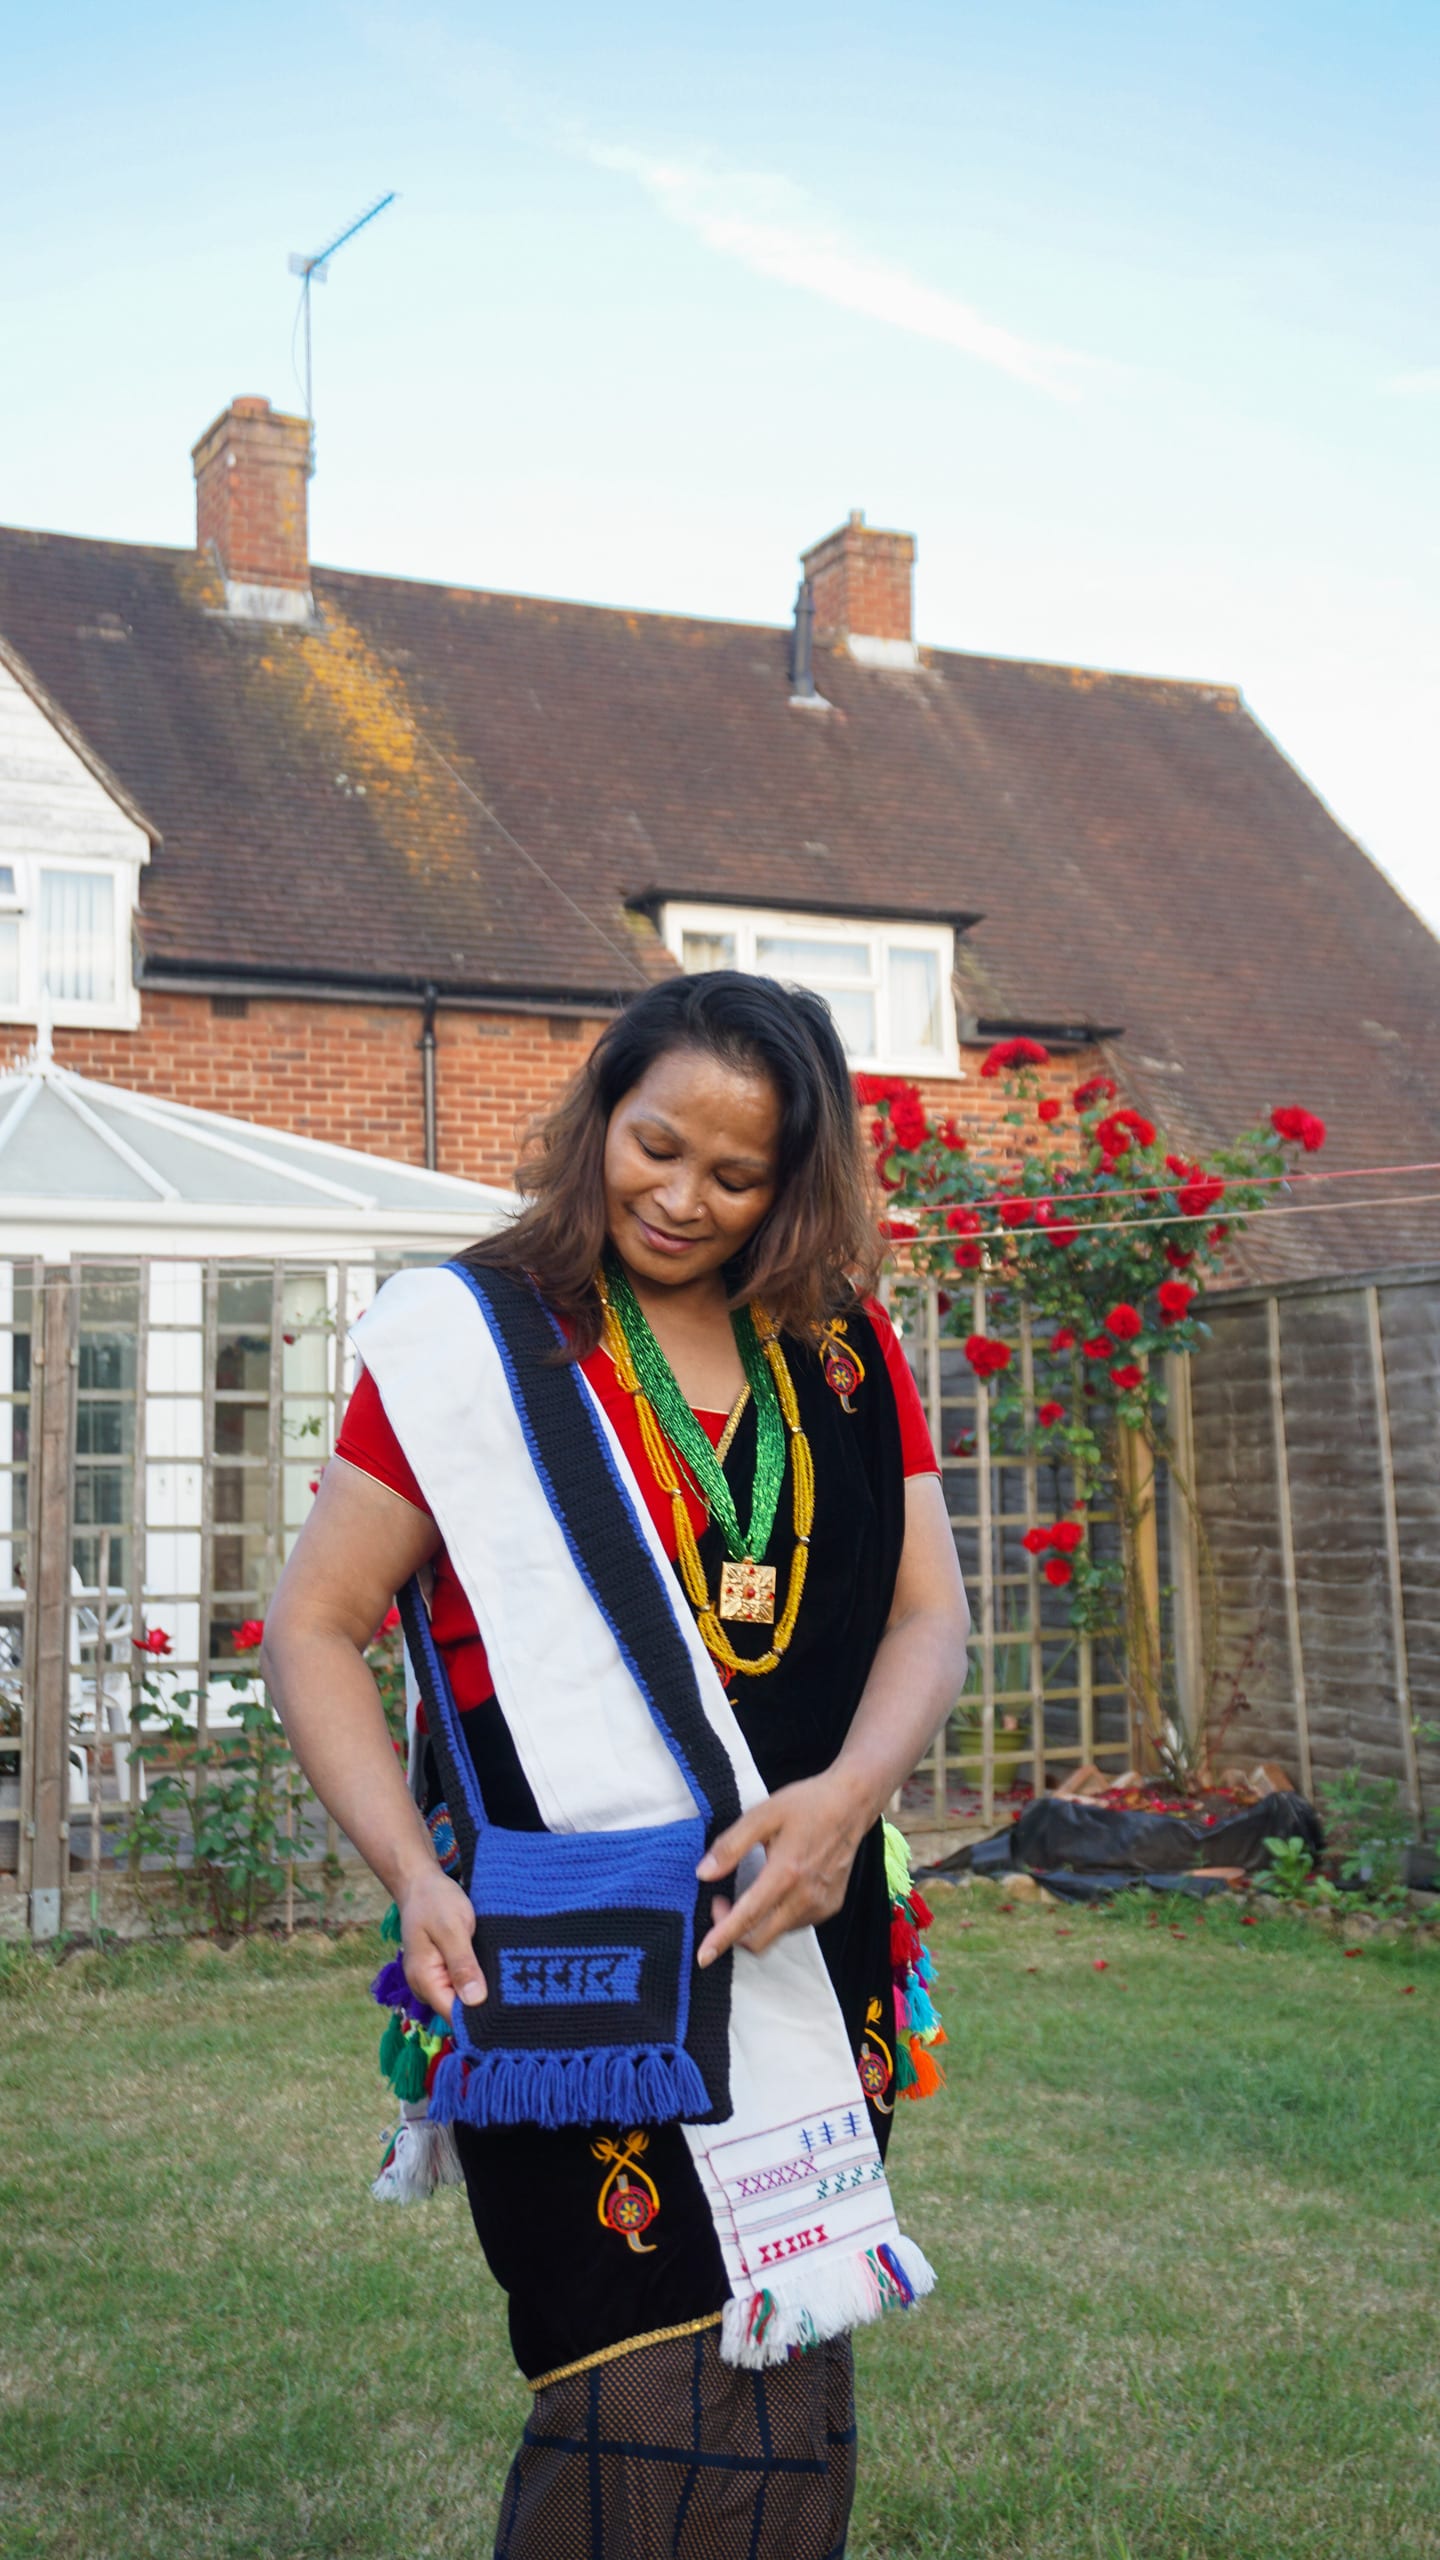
{"points": [[1405, 1990], [1064, 1933], [1352, 1951], [1249, 1919], [1007, 1906], [1101, 1964], [1032, 1968]]}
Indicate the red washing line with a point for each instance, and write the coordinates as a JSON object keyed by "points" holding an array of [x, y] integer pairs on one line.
{"points": [[1144, 1190], [1224, 1216]]}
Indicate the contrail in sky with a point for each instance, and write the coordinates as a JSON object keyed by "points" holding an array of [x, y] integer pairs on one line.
{"points": [[771, 226]]}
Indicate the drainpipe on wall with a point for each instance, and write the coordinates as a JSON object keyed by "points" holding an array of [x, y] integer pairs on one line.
{"points": [[427, 1072]]}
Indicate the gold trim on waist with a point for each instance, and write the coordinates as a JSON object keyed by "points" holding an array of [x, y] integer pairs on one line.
{"points": [[627, 2347]]}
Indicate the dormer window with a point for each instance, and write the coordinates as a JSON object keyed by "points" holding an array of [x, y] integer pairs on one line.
{"points": [[886, 983]]}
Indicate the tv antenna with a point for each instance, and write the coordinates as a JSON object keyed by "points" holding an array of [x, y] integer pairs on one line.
{"points": [[314, 271]]}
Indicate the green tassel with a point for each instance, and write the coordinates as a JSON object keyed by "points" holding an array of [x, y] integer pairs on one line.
{"points": [[897, 1863], [390, 1925], [408, 2077], [905, 2073], [392, 2045]]}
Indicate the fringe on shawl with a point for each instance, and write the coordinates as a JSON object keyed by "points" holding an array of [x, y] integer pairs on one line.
{"points": [[801, 2306]]}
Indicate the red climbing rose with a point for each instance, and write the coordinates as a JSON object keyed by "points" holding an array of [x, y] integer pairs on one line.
{"points": [[1049, 1415], [986, 1356], [1196, 1199], [249, 1635], [1299, 1129], [1099, 1089], [1067, 1535], [1175, 1297], [154, 1640], [1114, 1133], [1008, 1055], [1059, 1571], [1049, 1109], [1124, 1322], [1128, 1378]]}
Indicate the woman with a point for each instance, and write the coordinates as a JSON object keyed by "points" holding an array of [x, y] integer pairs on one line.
{"points": [[698, 1236]]}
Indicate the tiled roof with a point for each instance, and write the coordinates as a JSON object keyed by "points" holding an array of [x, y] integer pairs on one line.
{"points": [[1138, 852]]}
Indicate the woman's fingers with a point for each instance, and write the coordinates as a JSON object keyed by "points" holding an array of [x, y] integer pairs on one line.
{"points": [[809, 1850], [774, 1897], [439, 1929], [725, 1854]]}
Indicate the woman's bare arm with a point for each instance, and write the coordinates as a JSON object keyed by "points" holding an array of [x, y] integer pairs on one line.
{"points": [[359, 1547], [811, 1831]]}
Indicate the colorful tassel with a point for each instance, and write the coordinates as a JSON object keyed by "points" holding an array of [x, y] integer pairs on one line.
{"points": [[897, 1862], [390, 1926], [392, 2045], [927, 2072], [408, 2077], [419, 2157], [923, 2020], [904, 2070]]}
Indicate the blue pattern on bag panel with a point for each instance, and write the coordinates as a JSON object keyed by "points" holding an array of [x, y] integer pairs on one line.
{"points": [[569, 1977]]}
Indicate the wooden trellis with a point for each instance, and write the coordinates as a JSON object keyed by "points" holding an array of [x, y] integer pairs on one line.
{"points": [[1042, 1695]]}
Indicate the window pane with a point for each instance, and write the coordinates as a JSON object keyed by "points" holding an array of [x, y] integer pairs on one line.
{"points": [[9, 959], [707, 951], [812, 961], [854, 1015], [77, 935], [914, 1002]]}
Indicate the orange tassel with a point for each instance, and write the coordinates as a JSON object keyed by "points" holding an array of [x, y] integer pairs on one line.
{"points": [[928, 2075]]}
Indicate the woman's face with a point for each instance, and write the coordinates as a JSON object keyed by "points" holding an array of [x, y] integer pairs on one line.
{"points": [[690, 1166]]}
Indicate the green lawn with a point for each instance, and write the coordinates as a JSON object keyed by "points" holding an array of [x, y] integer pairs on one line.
{"points": [[1183, 2209]]}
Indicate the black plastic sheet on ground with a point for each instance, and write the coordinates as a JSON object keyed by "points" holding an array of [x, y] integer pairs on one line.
{"points": [[1083, 1851]]}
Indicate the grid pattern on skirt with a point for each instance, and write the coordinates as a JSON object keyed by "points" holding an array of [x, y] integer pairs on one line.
{"points": [[668, 2454]]}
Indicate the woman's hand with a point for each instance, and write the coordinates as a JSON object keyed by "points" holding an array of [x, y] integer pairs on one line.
{"points": [[810, 1833], [437, 1928]]}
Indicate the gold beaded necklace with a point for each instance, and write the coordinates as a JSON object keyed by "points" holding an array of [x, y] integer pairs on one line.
{"points": [[802, 1480]]}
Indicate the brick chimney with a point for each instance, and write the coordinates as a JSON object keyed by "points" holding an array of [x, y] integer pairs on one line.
{"points": [[860, 582], [251, 474]]}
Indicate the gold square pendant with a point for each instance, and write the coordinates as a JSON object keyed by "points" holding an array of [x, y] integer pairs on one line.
{"points": [[748, 1591]]}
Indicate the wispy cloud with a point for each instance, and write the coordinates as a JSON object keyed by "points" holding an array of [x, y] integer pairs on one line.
{"points": [[1423, 384], [771, 226]]}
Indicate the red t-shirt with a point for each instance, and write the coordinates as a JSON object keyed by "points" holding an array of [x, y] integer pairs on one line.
{"points": [[366, 1441]]}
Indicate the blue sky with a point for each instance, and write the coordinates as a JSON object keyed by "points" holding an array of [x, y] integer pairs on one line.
{"points": [[1128, 313]]}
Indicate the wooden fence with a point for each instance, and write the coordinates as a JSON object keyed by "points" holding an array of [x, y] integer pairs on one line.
{"points": [[1315, 1420]]}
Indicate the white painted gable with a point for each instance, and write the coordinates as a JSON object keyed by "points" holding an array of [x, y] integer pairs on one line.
{"points": [[57, 813], [50, 801]]}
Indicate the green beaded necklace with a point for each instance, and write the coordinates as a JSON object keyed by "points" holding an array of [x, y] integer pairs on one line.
{"points": [[684, 1433]]}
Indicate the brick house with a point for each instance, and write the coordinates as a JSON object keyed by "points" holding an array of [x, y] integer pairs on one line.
{"points": [[372, 860]]}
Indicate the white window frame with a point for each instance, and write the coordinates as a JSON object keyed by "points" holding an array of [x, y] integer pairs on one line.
{"points": [[120, 1012], [883, 934]]}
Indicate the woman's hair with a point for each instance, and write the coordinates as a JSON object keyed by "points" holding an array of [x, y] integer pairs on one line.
{"points": [[817, 1247]]}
